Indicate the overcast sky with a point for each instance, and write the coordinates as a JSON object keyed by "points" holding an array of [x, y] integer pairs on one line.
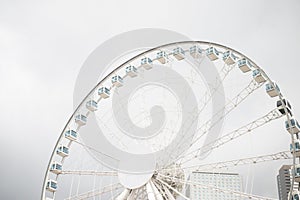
{"points": [[44, 43]]}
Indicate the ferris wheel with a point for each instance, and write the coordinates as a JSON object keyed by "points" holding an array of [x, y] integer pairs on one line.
{"points": [[165, 114]]}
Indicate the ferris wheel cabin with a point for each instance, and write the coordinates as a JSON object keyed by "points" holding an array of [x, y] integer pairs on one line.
{"points": [[162, 57], [117, 81], [272, 89], [195, 51], [104, 92], [80, 120], [56, 168], [296, 149], [294, 128], [229, 58], [295, 195], [131, 71], [71, 135], [297, 173], [244, 65], [62, 150], [212, 53], [146, 63], [178, 53], [258, 76], [91, 105], [51, 185], [284, 103]]}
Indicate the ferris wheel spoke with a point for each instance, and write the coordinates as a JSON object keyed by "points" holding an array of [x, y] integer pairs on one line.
{"points": [[272, 115], [164, 191], [123, 195], [89, 173], [153, 192], [209, 93], [284, 155], [104, 124], [226, 69], [216, 189], [139, 192], [143, 194], [171, 188], [168, 193], [94, 150], [96, 192], [133, 194], [229, 107]]}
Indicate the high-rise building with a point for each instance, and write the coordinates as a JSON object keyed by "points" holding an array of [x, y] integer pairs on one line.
{"points": [[226, 181], [284, 182]]}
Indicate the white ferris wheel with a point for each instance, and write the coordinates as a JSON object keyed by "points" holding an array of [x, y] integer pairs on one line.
{"points": [[166, 113]]}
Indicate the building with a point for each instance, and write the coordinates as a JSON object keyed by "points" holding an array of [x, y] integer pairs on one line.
{"points": [[227, 181], [284, 182]]}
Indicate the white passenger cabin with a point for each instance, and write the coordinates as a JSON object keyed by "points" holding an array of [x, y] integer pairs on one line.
{"points": [[162, 57], [229, 58], [146, 63], [245, 65], [51, 185], [56, 167], [71, 135], [131, 71], [258, 76], [62, 150], [212, 53], [117, 81], [297, 173], [294, 128], [104, 92], [297, 148], [284, 103], [271, 90], [91, 105], [178, 53], [80, 120], [195, 52], [295, 195]]}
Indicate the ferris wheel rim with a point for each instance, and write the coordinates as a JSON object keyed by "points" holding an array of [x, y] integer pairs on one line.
{"points": [[81, 104]]}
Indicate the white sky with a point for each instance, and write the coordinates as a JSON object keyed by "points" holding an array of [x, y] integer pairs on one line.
{"points": [[44, 43]]}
